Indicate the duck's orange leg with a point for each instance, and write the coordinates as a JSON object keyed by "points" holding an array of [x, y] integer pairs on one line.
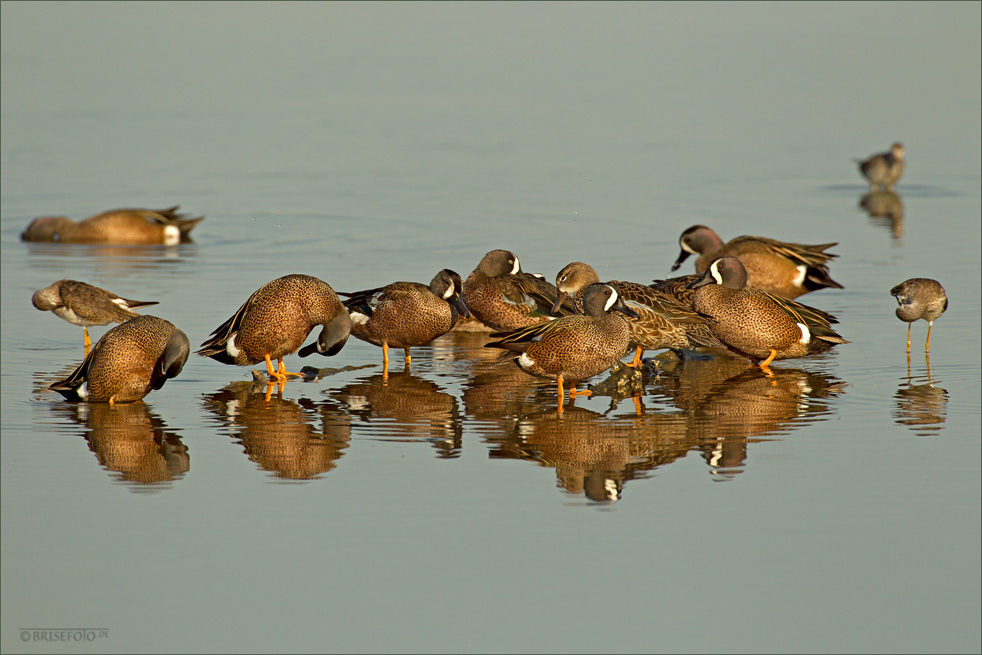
{"points": [[927, 345], [764, 365], [636, 362], [88, 341], [280, 373], [284, 373], [908, 336]]}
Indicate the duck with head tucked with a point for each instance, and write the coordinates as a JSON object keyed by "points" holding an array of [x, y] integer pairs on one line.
{"points": [[406, 314], [920, 298], [778, 267], [758, 325], [128, 362], [274, 322], [575, 347], [662, 322], [83, 304], [504, 297], [122, 226]]}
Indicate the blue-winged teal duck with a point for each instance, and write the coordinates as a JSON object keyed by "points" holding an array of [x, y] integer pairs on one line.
{"points": [[758, 325], [504, 297], [83, 304], [129, 226], [573, 347], [920, 298], [778, 267], [128, 362], [274, 322], [677, 287], [883, 169], [662, 321], [406, 314]]}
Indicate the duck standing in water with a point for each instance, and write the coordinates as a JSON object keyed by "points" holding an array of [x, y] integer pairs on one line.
{"points": [[274, 322], [575, 347], [758, 325], [406, 314]]}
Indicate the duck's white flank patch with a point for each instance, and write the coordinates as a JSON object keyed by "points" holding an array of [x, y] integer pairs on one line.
{"points": [[358, 403], [714, 271], [806, 335], [516, 268], [799, 279], [230, 345], [448, 292], [610, 486], [612, 299], [172, 235], [358, 318], [525, 361], [122, 303], [83, 391]]}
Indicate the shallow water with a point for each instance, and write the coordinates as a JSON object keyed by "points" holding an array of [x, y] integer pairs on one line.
{"points": [[449, 508]]}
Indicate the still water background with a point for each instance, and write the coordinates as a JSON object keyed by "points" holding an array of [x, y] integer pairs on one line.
{"points": [[449, 509]]}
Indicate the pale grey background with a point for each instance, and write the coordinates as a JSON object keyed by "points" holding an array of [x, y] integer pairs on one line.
{"points": [[364, 143]]}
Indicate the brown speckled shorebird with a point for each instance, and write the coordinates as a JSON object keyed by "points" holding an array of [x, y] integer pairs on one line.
{"points": [[406, 314], [504, 297], [662, 321], [83, 304], [128, 362], [129, 226], [883, 169], [778, 267], [758, 325], [573, 347], [274, 322], [920, 298]]}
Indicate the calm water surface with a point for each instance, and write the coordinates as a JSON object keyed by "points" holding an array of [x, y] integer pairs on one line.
{"points": [[448, 508]]}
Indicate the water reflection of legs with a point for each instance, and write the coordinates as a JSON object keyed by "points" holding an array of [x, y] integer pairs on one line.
{"points": [[280, 385]]}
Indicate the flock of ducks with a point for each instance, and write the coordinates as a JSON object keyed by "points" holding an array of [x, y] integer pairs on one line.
{"points": [[741, 300]]}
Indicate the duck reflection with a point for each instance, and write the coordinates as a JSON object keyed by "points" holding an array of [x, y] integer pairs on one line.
{"points": [[730, 405], [282, 435], [503, 392], [420, 409], [593, 455], [114, 260], [923, 407], [885, 208], [131, 443]]}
